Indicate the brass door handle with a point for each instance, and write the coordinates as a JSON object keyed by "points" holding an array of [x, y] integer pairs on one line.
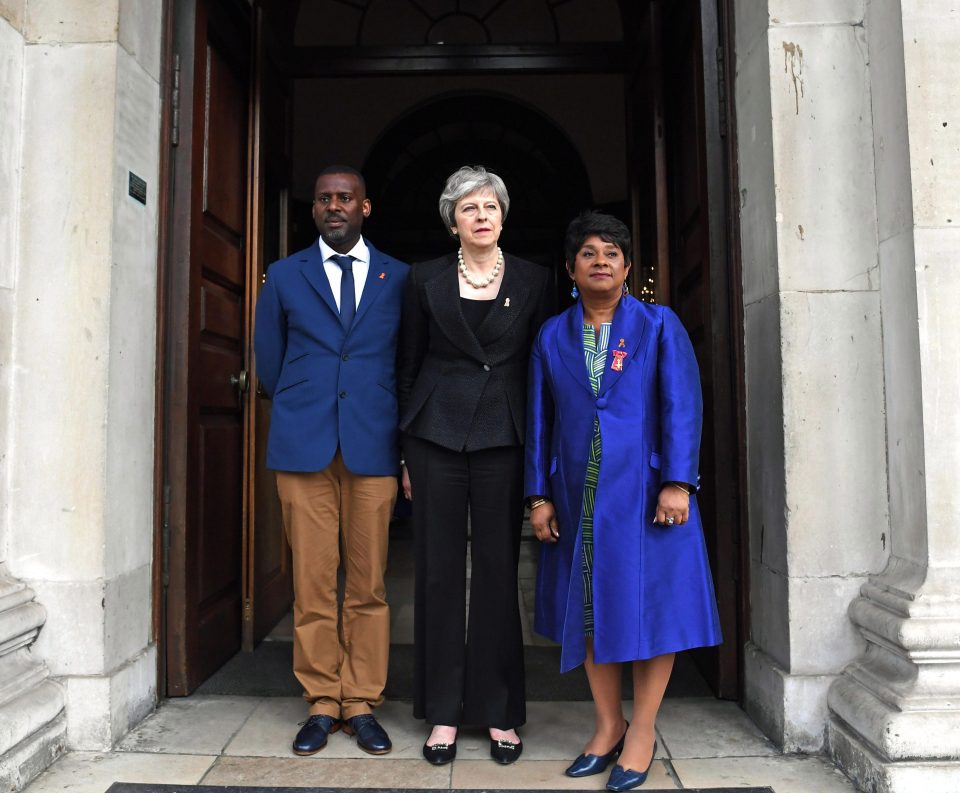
{"points": [[241, 381]]}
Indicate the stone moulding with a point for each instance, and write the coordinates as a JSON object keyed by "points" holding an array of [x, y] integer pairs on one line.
{"points": [[32, 723], [895, 712]]}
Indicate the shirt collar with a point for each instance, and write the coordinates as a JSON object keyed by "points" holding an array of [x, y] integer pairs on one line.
{"points": [[359, 252]]}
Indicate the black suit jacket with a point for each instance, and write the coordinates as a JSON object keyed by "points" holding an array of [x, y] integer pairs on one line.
{"points": [[460, 389]]}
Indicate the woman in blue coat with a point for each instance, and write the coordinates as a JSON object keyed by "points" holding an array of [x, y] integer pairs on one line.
{"points": [[613, 437]]}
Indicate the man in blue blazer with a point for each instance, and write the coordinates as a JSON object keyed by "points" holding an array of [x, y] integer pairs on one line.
{"points": [[326, 332]]}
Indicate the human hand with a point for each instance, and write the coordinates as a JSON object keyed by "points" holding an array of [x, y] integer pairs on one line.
{"points": [[405, 481], [673, 506], [544, 522]]}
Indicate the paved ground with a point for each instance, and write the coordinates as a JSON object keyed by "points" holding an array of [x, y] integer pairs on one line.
{"points": [[246, 741], [228, 740]]}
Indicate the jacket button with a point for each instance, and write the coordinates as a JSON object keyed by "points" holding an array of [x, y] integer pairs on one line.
{"points": [[345, 357], [486, 367], [602, 403], [342, 395]]}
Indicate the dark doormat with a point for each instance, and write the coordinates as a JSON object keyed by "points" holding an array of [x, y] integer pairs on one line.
{"points": [[136, 787], [268, 672]]}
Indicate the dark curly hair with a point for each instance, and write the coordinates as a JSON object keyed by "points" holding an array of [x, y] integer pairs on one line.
{"points": [[596, 224]]}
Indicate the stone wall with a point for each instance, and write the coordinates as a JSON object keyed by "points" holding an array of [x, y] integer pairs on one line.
{"points": [[813, 359], [895, 719], [77, 346]]}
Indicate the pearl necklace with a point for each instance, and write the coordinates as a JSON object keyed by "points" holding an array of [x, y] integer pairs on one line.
{"points": [[479, 283]]}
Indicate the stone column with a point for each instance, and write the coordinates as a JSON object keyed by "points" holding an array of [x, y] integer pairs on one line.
{"points": [[32, 721], [895, 713], [814, 374], [78, 296]]}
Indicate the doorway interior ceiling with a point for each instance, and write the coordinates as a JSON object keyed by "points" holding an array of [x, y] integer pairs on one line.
{"points": [[345, 23]]}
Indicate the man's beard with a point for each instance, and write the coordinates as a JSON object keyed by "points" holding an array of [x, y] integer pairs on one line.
{"points": [[338, 234]]}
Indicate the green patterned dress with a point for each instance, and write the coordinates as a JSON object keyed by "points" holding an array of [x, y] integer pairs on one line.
{"points": [[595, 355]]}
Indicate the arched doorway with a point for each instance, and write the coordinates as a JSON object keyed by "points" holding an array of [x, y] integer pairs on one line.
{"points": [[574, 103], [408, 165]]}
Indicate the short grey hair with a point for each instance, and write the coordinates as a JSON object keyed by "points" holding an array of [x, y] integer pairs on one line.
{"points": [[466, 180]]}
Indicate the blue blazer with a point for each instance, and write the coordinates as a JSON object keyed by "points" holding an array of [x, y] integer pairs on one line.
{"points": [[652, 588], [330, 388]]}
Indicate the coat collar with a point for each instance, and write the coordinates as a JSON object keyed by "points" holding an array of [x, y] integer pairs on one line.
{"points": [[629, 324], [377, 276], [380, 270], [443, 296], [311, 265]]}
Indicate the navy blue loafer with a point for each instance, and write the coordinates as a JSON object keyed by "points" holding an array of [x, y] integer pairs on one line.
{"points": [[371, 737], [626, 778], [590, 764], [313, 734]]}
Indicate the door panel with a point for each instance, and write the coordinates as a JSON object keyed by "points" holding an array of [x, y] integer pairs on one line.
{"points": [[207, 344], [268, 576], [676, 162], [699, 291]]}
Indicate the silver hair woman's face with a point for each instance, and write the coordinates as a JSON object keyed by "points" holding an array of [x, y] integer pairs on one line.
{"points": [[478, 219]]}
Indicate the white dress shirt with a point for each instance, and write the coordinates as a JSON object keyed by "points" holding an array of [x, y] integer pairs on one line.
{"points": [[361, 265]]}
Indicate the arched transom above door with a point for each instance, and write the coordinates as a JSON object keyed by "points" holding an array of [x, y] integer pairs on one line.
{"points": [[346, 23]]}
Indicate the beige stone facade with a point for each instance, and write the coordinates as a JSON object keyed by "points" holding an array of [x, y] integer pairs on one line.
{"points": [[849, 161]]}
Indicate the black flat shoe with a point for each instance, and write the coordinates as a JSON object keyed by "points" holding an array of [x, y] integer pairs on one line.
{"points": [[313, 734], [590, 764], [371, 737], [505, 752], [440, 753]]}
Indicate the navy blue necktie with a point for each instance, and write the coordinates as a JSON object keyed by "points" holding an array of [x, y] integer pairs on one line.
{"points": [[348, 290]]}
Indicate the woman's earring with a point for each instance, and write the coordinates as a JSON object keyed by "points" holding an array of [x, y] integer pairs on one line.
{"points": [[626, 289], [574, 293]]}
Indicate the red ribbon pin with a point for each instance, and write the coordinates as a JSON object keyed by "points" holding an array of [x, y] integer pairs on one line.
{"points": [[618, 356]]}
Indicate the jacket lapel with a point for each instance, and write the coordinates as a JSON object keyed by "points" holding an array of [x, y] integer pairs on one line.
{"points": [[377, 274], [629, 326], [570, 344], [443, 296], [312, 269], [507, 306]]}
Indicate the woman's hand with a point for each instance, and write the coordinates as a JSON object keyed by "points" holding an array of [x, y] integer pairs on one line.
{"points": [[405, 481], [544, 522], [673, 506]]}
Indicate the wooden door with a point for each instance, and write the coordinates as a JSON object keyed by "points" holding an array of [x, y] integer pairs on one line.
{"points": [[268, 575], [678, 170], [700, 294], [207, 351]]}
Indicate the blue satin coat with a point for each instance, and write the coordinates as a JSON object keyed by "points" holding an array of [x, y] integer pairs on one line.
{"points": [[652, 588]]}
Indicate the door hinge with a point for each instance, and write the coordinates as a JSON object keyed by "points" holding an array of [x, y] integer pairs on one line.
{"points": [[722, 90], [175, 103], [165, 537], [247, 610]]}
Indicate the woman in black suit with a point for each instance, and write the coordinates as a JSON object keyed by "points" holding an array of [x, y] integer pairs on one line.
{"points": [[469, 320]]}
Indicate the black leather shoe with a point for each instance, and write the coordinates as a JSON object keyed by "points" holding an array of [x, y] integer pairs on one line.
{"points": [[622, 779], [313, 734], [505, 752], [371, 737], [440, 753], [590, 764]]}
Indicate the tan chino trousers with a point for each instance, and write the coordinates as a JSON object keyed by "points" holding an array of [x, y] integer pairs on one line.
{"points": [[340, 660]]}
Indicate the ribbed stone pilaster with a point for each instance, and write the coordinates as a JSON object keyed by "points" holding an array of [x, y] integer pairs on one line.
{"points": [[895, 713], [32, 722]]}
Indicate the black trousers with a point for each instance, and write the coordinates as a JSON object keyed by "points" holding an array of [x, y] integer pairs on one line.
{"points": [[467, 672]]}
